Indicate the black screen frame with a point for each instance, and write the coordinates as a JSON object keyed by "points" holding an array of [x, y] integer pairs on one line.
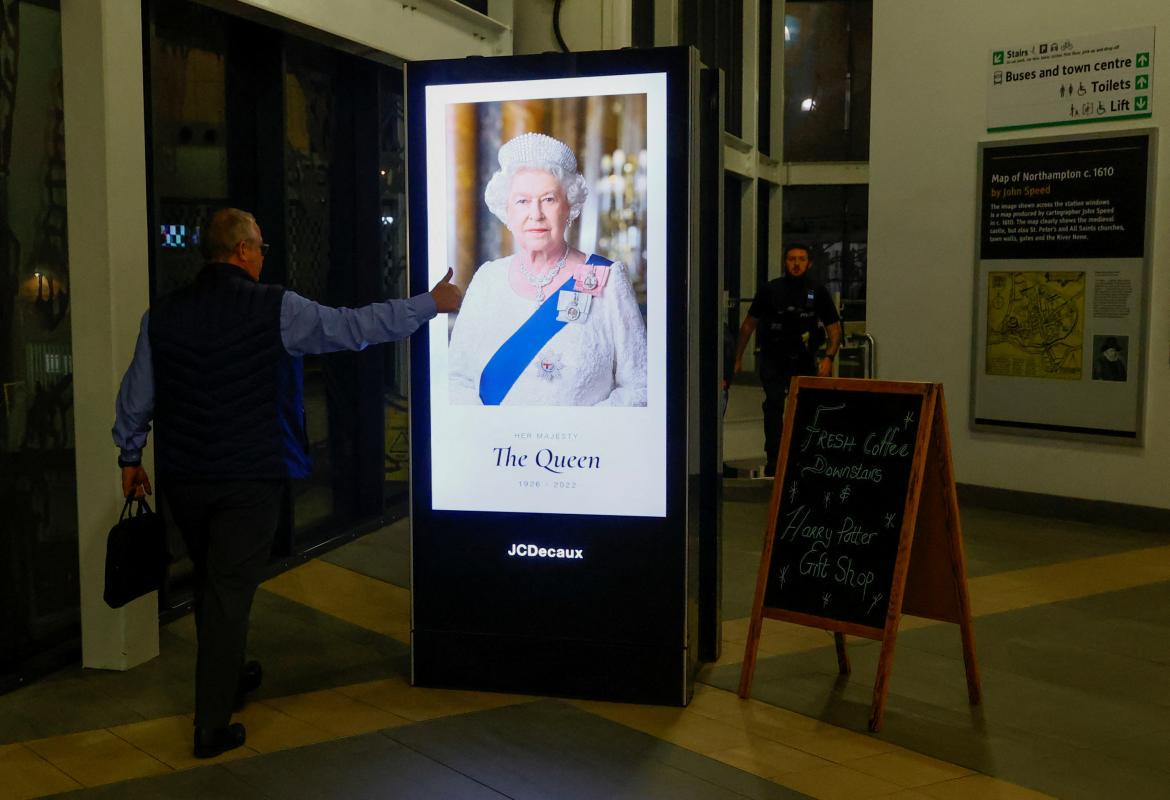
{"points": [[483, 619]]}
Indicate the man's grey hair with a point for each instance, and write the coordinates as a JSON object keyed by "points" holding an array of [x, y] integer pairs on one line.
{"points": [[225, 229]]}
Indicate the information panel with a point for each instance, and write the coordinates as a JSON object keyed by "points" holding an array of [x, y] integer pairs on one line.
{"points": [[1061, 285]]}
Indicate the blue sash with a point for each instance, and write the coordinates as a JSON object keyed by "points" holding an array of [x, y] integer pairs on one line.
{"points": [[513, 356]]}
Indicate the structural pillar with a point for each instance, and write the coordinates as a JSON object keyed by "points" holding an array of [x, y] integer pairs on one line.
{"points": [[105, 158]]}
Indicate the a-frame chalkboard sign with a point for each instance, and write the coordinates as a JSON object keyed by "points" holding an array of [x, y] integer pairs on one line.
{"points": [[864, 522]]}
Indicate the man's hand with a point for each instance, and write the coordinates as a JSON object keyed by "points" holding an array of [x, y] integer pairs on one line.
{"points": [[738, 366], [448, 297], [135, 480], [824, 367]]}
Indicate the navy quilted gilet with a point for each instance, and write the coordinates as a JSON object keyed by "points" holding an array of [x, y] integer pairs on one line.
{"points": [[228, 397]]}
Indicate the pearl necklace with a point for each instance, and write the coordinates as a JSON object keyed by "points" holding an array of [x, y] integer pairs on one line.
{"points": [[541, 281]]}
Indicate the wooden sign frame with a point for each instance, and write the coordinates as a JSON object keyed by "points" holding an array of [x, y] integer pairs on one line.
{"points": [[930, 572]]}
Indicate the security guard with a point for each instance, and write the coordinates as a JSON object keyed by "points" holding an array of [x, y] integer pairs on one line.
{"points": [[793, 315]]}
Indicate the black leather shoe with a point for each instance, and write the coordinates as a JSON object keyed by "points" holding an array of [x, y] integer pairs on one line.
{"points": [[209, 743], [251, 676]]}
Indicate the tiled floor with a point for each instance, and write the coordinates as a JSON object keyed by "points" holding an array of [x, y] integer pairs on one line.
{"points": [[1072, 626]]}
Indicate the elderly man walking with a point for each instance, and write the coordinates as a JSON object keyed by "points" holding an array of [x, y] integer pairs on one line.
{"points": [[217, 368]]}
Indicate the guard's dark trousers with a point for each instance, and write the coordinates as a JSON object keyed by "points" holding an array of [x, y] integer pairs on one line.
{"points": [[775, 377], [228, 527]]}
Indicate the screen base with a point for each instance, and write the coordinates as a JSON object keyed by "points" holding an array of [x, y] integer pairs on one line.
{"points": [[567, 668]]}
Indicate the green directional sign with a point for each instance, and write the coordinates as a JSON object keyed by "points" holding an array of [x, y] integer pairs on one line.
{"points": [[1141, 103], [1142, 82], [997, 57], [1143, 59]]}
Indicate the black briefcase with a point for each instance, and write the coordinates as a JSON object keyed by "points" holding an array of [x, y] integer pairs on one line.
{"points": [[136, 554]]}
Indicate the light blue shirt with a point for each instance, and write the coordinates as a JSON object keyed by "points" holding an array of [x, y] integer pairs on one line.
{"points": [[306, 328]]}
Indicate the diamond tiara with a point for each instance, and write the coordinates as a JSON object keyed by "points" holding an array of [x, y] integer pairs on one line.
{"points": [[534, 149]]}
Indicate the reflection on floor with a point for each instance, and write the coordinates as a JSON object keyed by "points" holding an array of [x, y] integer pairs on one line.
{"points": [[1072, 631]]}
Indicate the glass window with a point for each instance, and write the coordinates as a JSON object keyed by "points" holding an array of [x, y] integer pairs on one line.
{"points": [[763, 231], [188, 117], [833, 221], [732, 224], [39, 590], [827, 79], [715, 27], [764, 129], [395, 368], [297, 133]]}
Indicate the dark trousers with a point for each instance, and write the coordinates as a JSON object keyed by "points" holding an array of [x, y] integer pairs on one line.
{"points": [[774, 377], [228, 527]]}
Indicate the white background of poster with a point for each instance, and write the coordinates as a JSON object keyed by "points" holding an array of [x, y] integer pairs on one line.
{"points": [[630, 443]]}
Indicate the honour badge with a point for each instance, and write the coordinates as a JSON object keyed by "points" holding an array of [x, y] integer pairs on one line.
{"points": [[573, 306], [549, 365], [591, 278]]}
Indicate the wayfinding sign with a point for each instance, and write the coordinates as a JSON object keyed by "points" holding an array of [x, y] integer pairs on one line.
{"points": [[1070, 81]]}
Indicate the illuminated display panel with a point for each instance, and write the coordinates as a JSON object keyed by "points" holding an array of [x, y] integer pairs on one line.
{"points": [[549, 398]]}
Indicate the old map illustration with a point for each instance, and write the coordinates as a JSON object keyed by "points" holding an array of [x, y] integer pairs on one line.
{"points": [[1035, 324]]}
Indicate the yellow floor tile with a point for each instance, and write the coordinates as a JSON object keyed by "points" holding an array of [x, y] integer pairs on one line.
{"points": [[906, 768], [703, 734], [358, 599], [753, 716], [415, 703], [170, 740], [332, 711], [271, 730], [24, 774], [837, 782], [980, 787], [93, 758], [838, 745], [736, 630], [770, 759]]}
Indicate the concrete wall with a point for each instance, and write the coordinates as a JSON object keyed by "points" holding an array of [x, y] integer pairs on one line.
{"points": [[421, 29], [930, 61], [585, 25]]}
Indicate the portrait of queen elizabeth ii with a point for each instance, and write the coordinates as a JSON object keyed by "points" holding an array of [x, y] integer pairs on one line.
{"points": [[547, 325]]}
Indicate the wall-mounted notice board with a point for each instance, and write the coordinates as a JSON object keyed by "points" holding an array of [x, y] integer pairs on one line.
{"points": [[864, 521]]}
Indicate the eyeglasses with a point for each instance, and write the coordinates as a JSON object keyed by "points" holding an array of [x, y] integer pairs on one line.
{"points": [[262, 245]]}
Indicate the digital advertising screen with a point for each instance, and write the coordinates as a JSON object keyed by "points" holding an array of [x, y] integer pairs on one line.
{"points": [[549, 416], [548, 200]]}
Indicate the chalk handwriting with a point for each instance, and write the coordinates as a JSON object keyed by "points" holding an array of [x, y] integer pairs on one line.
{"points": [[814, 428]]}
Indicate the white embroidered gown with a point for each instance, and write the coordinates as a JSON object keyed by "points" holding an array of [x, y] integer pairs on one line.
{"points": [[601, 361]]}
